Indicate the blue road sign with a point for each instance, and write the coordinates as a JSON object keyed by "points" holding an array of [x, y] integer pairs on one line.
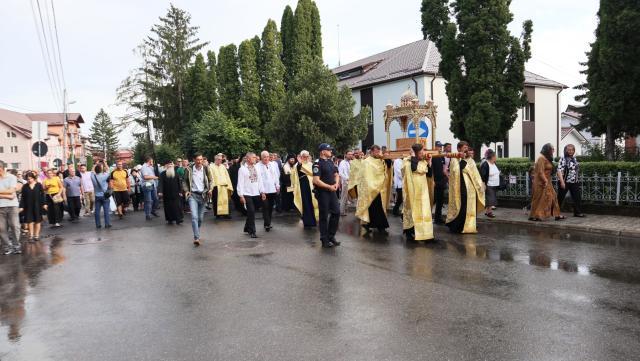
{"points": [[424, 130]]}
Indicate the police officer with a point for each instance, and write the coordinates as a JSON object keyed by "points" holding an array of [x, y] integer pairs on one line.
{"points": [[326, 181]]}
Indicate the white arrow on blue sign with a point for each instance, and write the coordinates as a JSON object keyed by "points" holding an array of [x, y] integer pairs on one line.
{"points": [[424, 130]]}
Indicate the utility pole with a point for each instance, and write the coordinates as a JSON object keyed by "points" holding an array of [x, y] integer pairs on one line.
{"points": [[65, 127]]}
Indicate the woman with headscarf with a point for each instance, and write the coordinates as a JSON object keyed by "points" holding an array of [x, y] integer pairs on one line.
{"points": [[544, 202], [568, 179], [286, 190]]}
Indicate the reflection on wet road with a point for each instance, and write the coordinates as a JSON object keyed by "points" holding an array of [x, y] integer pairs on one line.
{"points": [[505, 293]]}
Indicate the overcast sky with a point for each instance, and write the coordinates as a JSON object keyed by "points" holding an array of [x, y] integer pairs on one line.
{"points": [[97, 38]]}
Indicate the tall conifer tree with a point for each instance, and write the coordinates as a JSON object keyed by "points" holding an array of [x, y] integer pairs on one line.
{"points": [[612, 98], [250, 93], [212, 80], [272, 71], [482, 63], [287, 39], [228, 81]]}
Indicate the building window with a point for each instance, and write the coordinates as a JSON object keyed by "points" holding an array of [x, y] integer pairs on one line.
{"points": [[14, 149], [15, 165], [500, 151], [1, 149], [13, 134], [529, 112], [528, 150], [8, 134]]}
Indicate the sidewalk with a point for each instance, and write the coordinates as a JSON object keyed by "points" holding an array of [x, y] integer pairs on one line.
{"points": [[593, 223]]}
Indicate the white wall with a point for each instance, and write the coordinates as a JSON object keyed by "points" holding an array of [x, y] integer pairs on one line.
{"points": [[571, 138], [546, 113], [390, 93], [547, 124]]}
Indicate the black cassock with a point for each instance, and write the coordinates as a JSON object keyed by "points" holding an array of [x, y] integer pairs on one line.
{"points": [[171, 189]]}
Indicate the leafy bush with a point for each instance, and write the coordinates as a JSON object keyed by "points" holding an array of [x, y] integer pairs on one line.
{"points": [[507, 166]]}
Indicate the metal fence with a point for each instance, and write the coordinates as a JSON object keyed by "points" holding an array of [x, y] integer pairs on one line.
{"points": [[618, 189]]}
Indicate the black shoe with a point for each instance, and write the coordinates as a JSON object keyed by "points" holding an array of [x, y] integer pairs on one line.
{"points": [[107, 226], [267, 228], [333, 241], [155, 214], [579, 215], [383, 231], [326, 244], [253, 235], [98, 226]]}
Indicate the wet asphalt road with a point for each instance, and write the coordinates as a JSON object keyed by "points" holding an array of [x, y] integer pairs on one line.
{"points": [[140, 291]]}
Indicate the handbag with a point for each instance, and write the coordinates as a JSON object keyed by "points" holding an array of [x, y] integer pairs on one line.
{"points": [[57, 198], [503, 183], [106, 194]]}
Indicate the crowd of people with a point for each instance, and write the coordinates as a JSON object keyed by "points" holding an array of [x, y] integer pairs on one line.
{"points": [[414, 188]]}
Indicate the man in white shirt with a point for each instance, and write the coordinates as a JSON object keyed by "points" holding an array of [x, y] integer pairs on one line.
{"points": [[9, 220], [397, 185], [270, 176], [86, 188], [344, 168], [250, 191]]}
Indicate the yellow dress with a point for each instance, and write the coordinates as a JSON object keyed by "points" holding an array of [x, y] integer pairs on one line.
{"points": [[374, 179], [416, 201], [222, 181], [474, 196]]}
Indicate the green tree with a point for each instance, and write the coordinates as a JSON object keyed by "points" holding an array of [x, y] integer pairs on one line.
{"points": [[138, 93], [216, 132], [316, 32], [212, 80], [287, 39], [302, 37], [272, 92], [104, 135], [482, 63], [228, 81], [316, 110], [250, 93], [612, 97], [197, 101], [172, 45]]}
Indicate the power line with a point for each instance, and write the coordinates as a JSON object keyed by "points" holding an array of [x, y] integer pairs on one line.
{"points": [[20, 107], [54, 94], [55, 56], [55, 25], [53, 64]]}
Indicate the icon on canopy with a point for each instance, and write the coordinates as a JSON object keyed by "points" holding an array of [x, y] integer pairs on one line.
{"points": [[424, 130]]}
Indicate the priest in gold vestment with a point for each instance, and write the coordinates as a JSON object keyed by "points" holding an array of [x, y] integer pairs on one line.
{"points": [[223, 188], [374, 190], [303, 198], [466, 193], [416, 212], [354, 173]]}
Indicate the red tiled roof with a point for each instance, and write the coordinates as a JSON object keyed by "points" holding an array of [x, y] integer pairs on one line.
{"points": [[55, 118], [22, 122]]}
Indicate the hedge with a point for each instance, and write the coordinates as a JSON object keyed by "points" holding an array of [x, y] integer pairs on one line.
{"points": [[519, 166]]}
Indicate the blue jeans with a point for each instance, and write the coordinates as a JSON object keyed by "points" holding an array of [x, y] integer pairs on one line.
{"points": [[150, 200], [197, 206], [102, 204]]}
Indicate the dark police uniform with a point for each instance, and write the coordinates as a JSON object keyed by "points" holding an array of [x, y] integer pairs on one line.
{"points": [[328, 205]]}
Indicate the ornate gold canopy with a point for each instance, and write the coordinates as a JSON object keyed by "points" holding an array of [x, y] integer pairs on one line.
{"points": [[410, 110]]}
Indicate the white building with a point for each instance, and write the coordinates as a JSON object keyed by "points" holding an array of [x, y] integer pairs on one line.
{"points": [[380, 79]]}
